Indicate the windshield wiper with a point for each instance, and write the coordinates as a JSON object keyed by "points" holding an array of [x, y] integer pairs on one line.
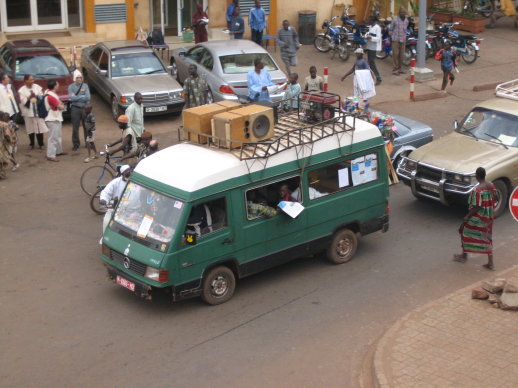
{"points": [[469, 133], [153, 71], [497, 139]]}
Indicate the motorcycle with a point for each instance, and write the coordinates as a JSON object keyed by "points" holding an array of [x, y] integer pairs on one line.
{"points": [[486, 8], [334, 38], [465, 45]]}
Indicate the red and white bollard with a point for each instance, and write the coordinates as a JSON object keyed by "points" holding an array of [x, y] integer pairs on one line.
{"points": [[412, 78], [326, 74]]}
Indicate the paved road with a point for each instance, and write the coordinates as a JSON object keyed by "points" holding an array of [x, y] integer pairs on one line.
{"points": [[305, 324]]}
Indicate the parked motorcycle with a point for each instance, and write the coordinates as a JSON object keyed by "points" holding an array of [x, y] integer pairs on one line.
{"points": [[465, 45], [486, 8], [334, 38]]}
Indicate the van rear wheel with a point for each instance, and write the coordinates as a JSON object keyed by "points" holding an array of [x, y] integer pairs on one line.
{"points": [[218, 286], [343, 246]]}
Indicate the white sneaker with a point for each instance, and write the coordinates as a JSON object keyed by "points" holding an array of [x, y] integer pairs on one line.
{"points": [[87, 160], [15, 167]]}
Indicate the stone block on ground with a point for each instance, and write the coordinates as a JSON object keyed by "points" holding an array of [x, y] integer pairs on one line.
{"points": [[494, 286], [479, 293], [511, 286], [493, 298], [508, 301]]}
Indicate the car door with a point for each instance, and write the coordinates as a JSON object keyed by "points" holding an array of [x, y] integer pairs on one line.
{"points": [[104, 84], [205, 71], [194, 55], [92, 69]]}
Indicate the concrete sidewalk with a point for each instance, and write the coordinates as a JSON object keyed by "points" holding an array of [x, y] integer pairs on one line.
{"points": [[452, 342]]}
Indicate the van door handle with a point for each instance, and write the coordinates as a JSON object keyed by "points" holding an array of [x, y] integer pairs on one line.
{"points": [[227, 241]]}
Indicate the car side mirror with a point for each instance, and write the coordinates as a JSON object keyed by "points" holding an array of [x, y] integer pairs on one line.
{"points": [[103, 73], [181, 54], [455, 124]]}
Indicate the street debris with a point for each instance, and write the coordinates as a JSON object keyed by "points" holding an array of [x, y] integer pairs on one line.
{"points": [[503, 293]]}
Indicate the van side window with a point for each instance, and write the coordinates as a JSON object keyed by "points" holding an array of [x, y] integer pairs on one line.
{"points": [[261, 202], [340, 176], [207, 217]]}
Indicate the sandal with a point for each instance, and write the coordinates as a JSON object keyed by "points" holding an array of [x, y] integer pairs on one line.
{"points": [[460, 258], [489, 267]]}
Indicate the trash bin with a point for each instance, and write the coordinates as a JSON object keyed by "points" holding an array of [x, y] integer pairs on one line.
{"points": [[307, 26], [188, 36]]}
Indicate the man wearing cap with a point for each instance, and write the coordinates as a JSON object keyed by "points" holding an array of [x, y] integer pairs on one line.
{"points": [[79, 96], [113, 192], [128, 138], [135, 114], [363, 82]]}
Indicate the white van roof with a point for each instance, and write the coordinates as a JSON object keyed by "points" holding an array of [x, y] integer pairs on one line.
{"points": [[191, 167]]}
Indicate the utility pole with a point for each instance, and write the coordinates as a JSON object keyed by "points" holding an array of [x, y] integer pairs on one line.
{"points": [[422, 73]]}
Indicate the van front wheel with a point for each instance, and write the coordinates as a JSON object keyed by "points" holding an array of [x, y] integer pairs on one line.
{"points": [[343, 247], [218, 286]]}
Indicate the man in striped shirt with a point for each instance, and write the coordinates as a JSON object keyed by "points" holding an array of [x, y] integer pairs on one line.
{"points": [[398, 35]]}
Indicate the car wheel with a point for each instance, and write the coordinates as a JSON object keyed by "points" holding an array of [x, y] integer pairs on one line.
{"points": [[116, 110], [210, 97], [343, 246], [174, 71], [503, 193], [218, 286]]}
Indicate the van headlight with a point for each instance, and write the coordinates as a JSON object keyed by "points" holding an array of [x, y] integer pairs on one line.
{"points": [[158, 275]]}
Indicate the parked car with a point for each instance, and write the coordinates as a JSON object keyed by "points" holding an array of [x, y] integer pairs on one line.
{"points": [[120, 68], [409, 135], [39, 58], [487, 137], [224, 65]]}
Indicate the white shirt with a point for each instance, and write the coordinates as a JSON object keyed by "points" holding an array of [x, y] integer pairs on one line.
{"points": [[53, 115], [374, 43], [113, 190], [25, 93], [7, 101]]}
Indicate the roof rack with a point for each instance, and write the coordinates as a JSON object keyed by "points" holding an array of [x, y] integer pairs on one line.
{"points": [[290, 131], [508, 90]]}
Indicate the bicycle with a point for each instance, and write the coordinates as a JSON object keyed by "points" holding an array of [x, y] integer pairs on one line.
{"points": [[95, 203], [96, 176]]}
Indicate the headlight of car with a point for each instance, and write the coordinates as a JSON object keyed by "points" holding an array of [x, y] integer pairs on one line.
{"points": [[126, 99], [175, 95], [158, 275]]}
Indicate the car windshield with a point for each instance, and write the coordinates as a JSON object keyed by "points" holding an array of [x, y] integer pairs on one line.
{"points": [[243, 63], [148, 215], [136, 64], [491, 125], [41, 67]]}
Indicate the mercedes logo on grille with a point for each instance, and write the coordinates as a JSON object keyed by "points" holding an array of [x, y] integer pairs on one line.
{"points": [[126, 262]]}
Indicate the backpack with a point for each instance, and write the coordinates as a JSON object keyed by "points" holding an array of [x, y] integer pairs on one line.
{"points": [[41, 107]]}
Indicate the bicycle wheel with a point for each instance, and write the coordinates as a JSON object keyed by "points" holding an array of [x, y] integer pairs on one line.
{"points": [[93, 177], [95, 205]]}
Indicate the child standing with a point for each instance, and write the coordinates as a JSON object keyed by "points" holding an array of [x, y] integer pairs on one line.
{"points": [[291, 98], [448, 61], [89, 128], [11, 138], [314, 82]]}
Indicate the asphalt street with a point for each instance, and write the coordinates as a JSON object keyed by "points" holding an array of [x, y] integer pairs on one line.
{"points": [[305, 324]]}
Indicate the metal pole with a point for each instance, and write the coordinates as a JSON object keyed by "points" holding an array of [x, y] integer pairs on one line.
{"points": [[162, 14], [421, 37]]}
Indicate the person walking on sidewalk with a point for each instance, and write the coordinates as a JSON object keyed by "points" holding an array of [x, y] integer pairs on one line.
{"points": [[288, 41], [363, 84], [476, 230], [199, 22], [373, 45], [54, 121], [448, 60], [397, 33], [257, 22], [34, 125], [79, 95]]}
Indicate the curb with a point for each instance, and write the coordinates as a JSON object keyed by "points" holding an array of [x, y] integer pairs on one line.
{"points": [[379, 377], [429, 96], [488, 86]]}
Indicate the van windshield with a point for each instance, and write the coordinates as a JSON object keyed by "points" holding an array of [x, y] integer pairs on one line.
{"points": [[491, 125], [148, 215]]}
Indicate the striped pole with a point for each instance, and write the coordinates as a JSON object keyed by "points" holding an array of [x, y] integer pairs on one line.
{"points": [[75, 56], [326, 73], [412, 78]]}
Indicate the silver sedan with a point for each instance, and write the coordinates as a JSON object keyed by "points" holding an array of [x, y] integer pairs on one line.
{"points": [[224, 64]]}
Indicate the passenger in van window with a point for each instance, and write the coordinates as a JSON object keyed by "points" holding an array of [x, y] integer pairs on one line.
{"points": [[285, 194], [256, 210], [200, 220]]}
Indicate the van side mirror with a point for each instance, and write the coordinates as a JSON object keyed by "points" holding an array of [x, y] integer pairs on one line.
{"points": [[190, 237], [455, 124]]}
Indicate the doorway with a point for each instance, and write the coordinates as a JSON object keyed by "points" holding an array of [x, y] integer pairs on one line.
{"points": [[177, 15], [26, 15]]}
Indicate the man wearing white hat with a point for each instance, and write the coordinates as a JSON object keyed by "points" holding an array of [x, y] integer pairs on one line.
{"points": [[79, 95], [113, 192], [363, 82]]}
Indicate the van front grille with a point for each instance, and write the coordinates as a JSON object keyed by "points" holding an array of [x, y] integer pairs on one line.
{"points": [[134, 265]]}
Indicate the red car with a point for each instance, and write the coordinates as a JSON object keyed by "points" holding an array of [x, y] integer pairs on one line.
{"points": [[39, 58]]}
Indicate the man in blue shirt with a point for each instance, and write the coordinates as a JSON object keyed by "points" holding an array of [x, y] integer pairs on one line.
{"points": [[230, 11], [79, 95], [237, 25], [258, 81], [257, 22]]}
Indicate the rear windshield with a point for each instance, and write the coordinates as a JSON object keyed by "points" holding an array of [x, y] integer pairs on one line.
{"points": [[41, 67], [136, 64], [243, 63]]}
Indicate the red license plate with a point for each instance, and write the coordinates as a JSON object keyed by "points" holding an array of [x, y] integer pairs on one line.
{"points": [[125, 283]]}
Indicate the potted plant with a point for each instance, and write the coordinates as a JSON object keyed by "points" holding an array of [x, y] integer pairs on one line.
{"points": [[470, 20], [441, 15]]}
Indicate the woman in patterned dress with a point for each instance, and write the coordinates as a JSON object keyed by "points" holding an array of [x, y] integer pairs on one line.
{"points": [[477, 227]]}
